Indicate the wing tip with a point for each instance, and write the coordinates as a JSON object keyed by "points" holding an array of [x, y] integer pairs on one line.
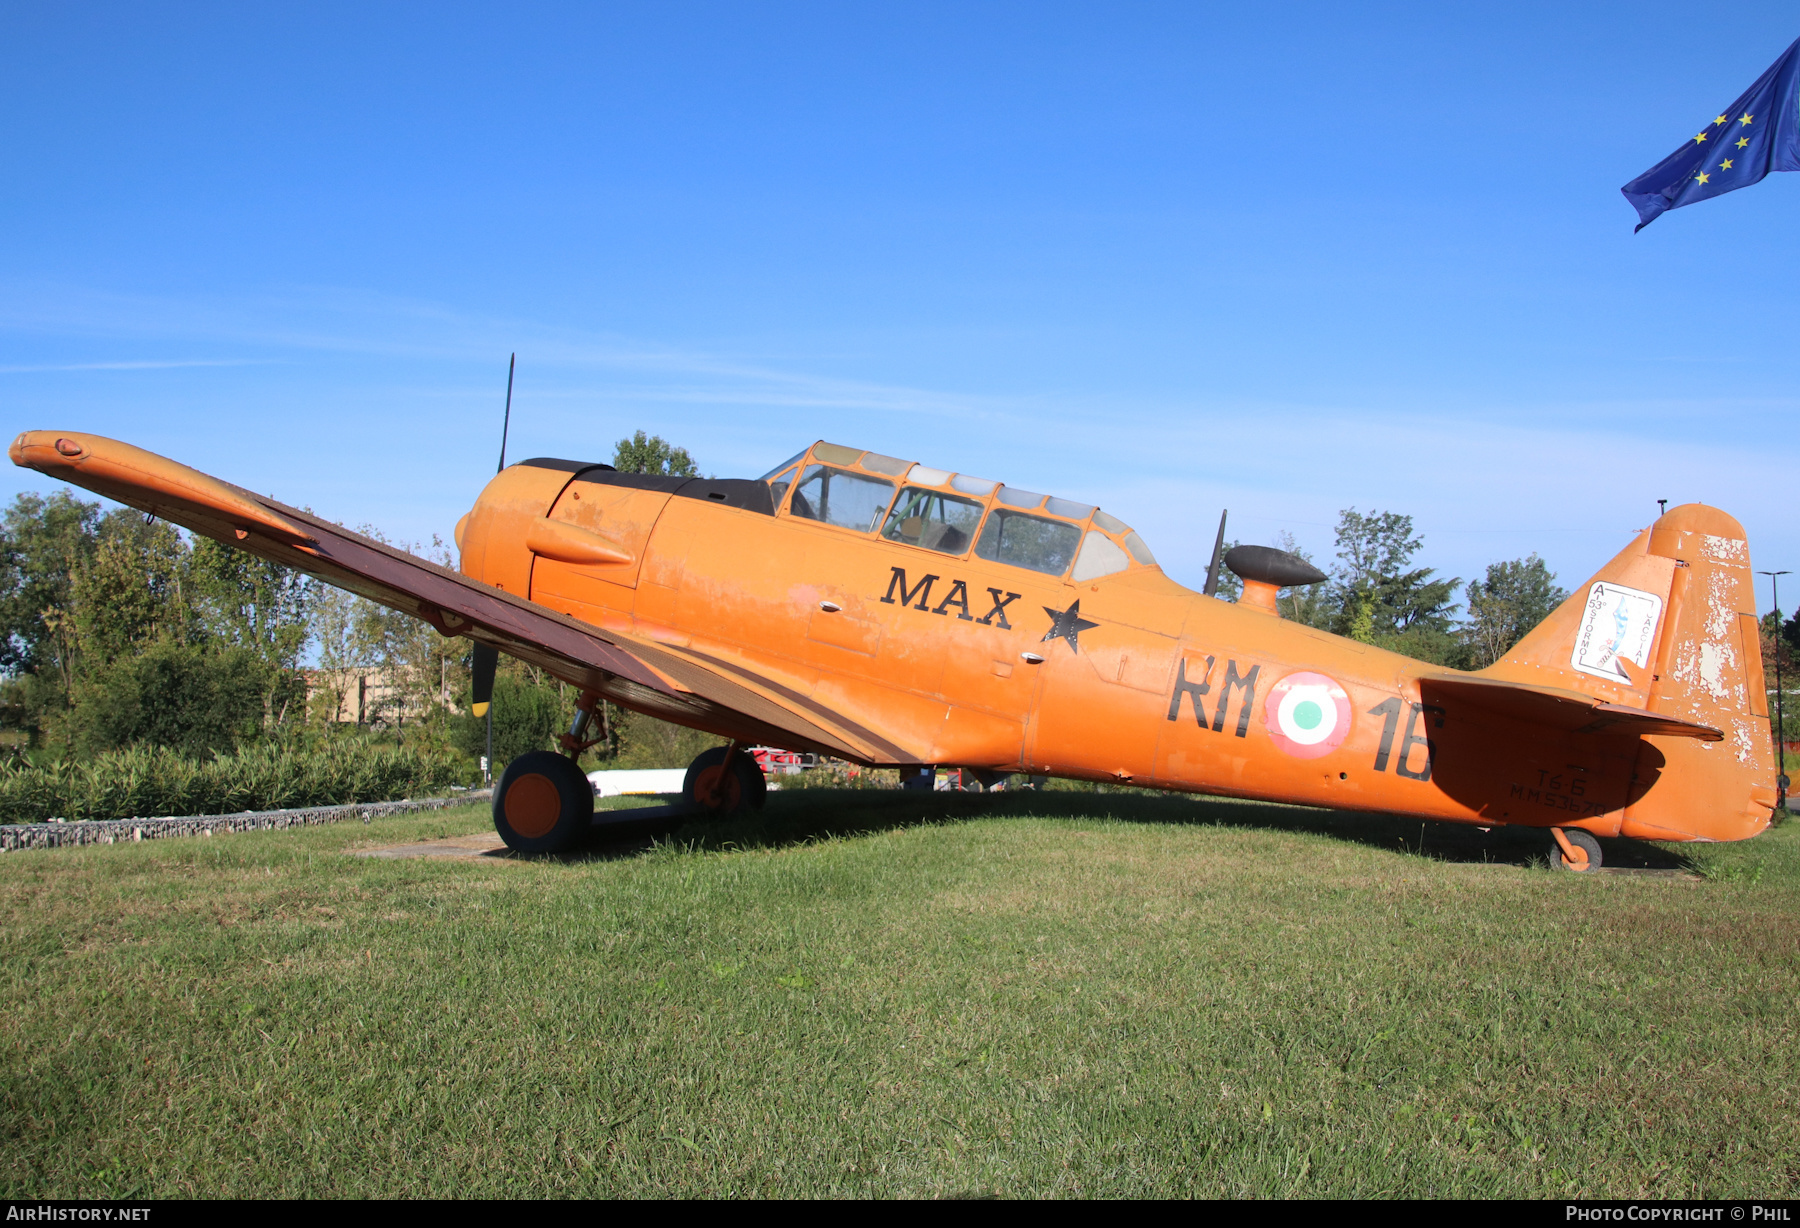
{"points": [[111, 467]]}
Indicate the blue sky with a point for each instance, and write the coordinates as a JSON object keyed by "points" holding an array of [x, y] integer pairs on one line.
{"points": [[1165, 258]]}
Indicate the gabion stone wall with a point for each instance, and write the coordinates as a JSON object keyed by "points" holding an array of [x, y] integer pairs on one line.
{"points": [[113, 831]]}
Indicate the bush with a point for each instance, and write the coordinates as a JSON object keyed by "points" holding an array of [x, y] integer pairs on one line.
{"points": [[530, 715], [527, 716], [193, 700], [645, 742], [836, 774], [144, 782]]}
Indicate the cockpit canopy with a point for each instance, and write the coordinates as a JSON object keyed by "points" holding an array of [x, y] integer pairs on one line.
{"points": [[950, 513]]}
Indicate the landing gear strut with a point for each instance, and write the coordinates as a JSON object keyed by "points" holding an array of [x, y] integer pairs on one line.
{"points": [[725, 782], [576, 740], [1574, 850]]}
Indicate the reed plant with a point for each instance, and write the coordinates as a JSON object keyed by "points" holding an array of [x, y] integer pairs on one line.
{"points": [[144, 782]]}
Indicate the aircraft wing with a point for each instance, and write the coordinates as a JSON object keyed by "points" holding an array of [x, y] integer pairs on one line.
{"points": [[632, 670], [1560, 709]]}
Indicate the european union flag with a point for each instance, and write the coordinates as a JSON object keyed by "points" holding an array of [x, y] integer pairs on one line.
{"points": [[1758, 133]]}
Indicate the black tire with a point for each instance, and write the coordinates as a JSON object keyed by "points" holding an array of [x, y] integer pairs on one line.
{"points": [[1581, 840], [745, 792], [543, 804]]}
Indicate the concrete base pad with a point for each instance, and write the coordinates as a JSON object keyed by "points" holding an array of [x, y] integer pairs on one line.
{"points": [[488, 845], [610, 826]]}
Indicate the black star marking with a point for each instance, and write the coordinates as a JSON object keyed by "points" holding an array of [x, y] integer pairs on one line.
{"points": [[1066, 625]]}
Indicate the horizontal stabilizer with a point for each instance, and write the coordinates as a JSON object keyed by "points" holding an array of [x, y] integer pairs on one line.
{"points": [[1556, 708]]}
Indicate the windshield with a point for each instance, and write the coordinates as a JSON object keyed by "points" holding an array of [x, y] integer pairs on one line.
{"points": [[837, 496], [1100, 556], [778, 485], [783, 465], [933, 520]]}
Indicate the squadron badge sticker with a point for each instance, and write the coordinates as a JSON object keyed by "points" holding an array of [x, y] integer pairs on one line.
{"points": [[1308, 715], [1619, 623]]}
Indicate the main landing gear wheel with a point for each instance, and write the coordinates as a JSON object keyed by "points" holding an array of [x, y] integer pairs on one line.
{"points": [[1586, 850], [543, 803], [722, 790]]}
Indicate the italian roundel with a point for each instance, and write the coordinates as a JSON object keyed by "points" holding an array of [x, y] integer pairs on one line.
{"points": [[1308, 715]]}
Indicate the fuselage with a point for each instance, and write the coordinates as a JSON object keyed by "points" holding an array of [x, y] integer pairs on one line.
{"points": [[1067, 652]]}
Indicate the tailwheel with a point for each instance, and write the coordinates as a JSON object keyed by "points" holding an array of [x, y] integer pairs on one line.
{"points": [[725, 782], [1574, 850], [543, 803]]}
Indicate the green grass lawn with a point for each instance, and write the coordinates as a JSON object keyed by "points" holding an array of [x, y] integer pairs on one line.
{"points": [[864, 993]]}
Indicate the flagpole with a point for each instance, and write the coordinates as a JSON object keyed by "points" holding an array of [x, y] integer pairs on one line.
{"points": [[1781, 779]]}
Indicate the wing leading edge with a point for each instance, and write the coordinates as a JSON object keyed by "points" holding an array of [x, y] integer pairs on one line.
{"points": [[632, 671]]}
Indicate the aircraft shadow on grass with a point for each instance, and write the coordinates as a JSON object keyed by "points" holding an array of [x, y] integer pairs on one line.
{"points": [[804, 816]]}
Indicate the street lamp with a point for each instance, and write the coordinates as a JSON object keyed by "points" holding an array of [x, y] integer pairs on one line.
{"points": [[1781, 781]]}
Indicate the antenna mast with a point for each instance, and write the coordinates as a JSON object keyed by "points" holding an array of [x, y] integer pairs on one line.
{"points": [[506, 423]]}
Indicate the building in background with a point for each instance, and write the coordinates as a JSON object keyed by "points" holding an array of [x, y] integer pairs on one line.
{"points": [[372, 695]]}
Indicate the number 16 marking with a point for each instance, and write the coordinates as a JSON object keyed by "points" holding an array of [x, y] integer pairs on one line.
{"points": [[1390, 708]]}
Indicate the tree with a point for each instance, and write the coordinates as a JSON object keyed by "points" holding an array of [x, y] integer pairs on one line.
{"points": [[1307, 604], [42, 544], [529, 711], [262, 607], [1516, 596], [146, 668], [117, 628], [336, 624], [1374, 547], [131, 591], [1780, 655], [1403, 606], [413, 660], [654, 455], [404, 650]]}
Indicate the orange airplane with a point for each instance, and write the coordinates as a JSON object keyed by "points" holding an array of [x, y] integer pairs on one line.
{"points": [[896, 615]]}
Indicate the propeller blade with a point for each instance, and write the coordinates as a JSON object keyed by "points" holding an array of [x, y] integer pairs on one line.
{"points": [[1212, 572], [486, 658]]}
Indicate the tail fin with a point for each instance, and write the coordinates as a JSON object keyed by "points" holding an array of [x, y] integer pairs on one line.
{"points": [[1670, 625]]}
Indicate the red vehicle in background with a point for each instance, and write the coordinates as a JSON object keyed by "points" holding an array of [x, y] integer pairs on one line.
{"points": [[777, 762]]}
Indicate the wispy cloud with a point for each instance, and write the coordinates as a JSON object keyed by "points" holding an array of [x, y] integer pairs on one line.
{"points": [[132, 365], [361, 323], [287, 325]]}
